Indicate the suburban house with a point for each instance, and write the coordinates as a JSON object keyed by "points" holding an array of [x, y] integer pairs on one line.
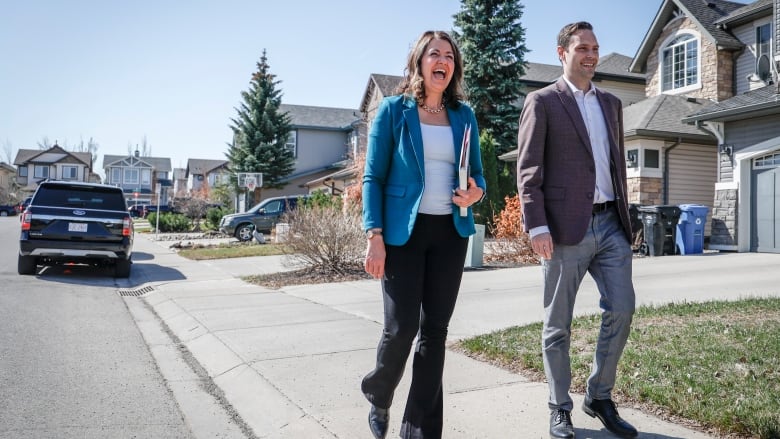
{"points": [[323, 141], [143, 179], [36, 165], [714, 63], [204, 174], [8, 186]]}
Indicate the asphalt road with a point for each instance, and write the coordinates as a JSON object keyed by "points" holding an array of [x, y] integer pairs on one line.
{"points": [[74, 362]]}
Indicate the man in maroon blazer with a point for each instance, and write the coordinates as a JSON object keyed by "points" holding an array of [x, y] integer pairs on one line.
{"points": [[571, 178]]}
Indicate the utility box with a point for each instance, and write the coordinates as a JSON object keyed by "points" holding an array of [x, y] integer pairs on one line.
{"points": [[690, 228]]}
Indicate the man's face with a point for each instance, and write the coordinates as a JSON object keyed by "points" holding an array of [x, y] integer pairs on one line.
{"points": [[580, 57]]}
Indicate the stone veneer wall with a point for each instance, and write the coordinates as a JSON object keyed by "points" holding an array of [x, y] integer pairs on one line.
{"points": [[713, 65], [645, 191], [724, 218]]}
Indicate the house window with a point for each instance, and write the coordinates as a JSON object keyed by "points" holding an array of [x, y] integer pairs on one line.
{"points": [[70, 173], [41, 172], [680, 63], [131, 176], [767, 161], [23, 171], [146, 177], [116, 175], [292, 143], [652, 158], [764, 41], [632, 158]]}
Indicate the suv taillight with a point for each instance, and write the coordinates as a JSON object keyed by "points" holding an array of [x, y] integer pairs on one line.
{"points": [[127, 227], [25, 221]]}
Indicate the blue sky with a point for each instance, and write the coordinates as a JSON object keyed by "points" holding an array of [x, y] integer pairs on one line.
{"points": [[172, 71]]}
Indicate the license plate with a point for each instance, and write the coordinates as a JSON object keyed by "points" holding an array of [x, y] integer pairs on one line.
{"points": [[77, 227]]}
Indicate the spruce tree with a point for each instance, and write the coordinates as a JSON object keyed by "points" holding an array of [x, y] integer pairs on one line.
{"points": [[492, 40], [261, 130]]}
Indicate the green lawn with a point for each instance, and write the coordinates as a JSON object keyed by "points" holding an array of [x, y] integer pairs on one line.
{"points": [[225, 251], [715, 363]]}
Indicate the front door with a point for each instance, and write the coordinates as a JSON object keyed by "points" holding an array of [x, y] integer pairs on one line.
{"points": [[766, 205]]}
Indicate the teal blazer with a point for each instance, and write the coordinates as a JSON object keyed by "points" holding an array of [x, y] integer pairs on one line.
{"points": [[394, 176]]}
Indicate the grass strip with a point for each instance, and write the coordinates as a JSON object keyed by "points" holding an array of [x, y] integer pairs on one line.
{"points": [[714, 363]]}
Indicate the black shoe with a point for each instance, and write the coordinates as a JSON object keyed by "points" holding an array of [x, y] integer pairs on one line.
{"points": [[560, 424], [605, 410], [378, 421]]}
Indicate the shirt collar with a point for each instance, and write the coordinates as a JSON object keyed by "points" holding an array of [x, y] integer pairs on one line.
{"points": [[574, 89]]}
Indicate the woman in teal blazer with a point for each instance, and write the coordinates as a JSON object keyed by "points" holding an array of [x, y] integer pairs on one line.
{"points": [[417, 223]]}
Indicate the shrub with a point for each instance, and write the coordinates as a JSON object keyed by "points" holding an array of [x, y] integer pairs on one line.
{"points": [[170, 222], [214, 216], [511, 244], [324, 237]]}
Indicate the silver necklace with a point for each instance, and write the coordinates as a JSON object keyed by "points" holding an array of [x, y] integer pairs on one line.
{"points": [[433, 110]]}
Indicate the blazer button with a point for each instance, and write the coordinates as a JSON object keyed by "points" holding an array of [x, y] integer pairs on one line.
{"points": [[590, 195]]}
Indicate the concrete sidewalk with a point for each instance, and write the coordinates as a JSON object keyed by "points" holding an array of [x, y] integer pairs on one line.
{"points": [[290, 361]]}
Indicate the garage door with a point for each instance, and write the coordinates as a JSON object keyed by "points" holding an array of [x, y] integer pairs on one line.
{"points": [[766, 207]]}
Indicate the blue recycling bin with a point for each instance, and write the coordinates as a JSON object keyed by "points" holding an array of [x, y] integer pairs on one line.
{"points": [[690, 228]]}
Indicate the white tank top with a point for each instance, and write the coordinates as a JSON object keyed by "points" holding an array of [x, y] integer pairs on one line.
{"points": [[439, 148]]}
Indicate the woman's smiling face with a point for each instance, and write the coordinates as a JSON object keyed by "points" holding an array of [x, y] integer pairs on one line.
{"points": [[437, 66]]}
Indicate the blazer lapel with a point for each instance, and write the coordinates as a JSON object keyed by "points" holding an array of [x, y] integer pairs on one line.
{"points": [[570, 104], [412, 121], [609, 116]]}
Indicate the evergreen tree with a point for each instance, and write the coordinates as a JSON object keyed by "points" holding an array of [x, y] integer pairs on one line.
{"points": [[492, 40], [261, 131], [494, 201]]}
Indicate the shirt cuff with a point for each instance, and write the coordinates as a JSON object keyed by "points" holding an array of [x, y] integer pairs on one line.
{"points": [[538, 231]]}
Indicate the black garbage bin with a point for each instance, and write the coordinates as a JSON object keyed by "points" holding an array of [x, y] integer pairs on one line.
{"points": [[660, 228]]}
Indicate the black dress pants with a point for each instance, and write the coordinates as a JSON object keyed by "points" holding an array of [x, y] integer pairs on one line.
{"points": [[420, 288]]}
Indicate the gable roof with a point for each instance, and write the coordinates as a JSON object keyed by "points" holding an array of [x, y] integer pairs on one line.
{"points": [[704, 13], [160, 164], [661, 116], [204, 166], [747, 13], [306, 116], [758, 102], [24, 156]]}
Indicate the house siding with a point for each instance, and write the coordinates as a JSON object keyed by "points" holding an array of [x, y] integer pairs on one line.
{"points": [[692, 175], [627, 93], [318, 147]]}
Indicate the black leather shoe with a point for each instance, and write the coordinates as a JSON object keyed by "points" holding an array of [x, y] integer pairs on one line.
{"points": [[378, 421], [560, 424], [605, 410]]}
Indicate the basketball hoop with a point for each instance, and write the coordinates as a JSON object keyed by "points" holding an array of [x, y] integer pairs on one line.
{"points": [[250, 184]]}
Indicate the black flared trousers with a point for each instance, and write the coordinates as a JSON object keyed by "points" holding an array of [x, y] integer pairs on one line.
{"points": [[420, 288]]}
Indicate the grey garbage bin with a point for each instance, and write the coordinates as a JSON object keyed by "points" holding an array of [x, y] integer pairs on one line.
{"points": [[660, 228], [690, 228]]}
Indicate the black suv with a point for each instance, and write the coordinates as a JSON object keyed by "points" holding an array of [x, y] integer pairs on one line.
{"points": [[74, 222]]}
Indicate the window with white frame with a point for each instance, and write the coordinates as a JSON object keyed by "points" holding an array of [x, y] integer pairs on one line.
{"points": [[131, 176], [116, 175], [680, 63], [763, 46], [292, 143], [146, 176], [70, 173], [41, 171]]}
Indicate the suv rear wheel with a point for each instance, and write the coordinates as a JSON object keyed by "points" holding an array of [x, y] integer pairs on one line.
{"points": [[122, 268], [26, 265]]}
